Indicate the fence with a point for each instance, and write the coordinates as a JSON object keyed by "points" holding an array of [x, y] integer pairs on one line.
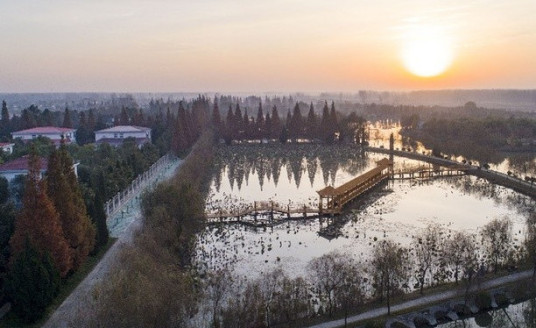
{"points": [[141, 181]]}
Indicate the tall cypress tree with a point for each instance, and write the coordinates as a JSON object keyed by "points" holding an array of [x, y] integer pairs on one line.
{"points": [[4, 121], [39, 222], [64, 191], [230, 128], [276, 123], [246, 128], [311, 125], [216, 119], [325, 129], [67, 122], [32, 283], [98, 216], [260, 125], [238, 124], [296, 123], [123, 118], [333, 121]]}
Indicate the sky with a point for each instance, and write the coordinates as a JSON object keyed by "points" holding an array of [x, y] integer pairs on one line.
{"points": [[264, 46]]}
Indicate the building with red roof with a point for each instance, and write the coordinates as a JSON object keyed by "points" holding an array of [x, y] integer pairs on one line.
{"points": [[19, 166], [53, 133]]}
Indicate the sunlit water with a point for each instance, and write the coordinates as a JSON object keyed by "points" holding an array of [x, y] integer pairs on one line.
{"points": [[397, 211]]}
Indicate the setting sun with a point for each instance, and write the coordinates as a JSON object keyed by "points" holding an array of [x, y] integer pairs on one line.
{"points": [[426, 51]]}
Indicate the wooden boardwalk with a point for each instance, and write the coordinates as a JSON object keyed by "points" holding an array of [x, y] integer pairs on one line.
{"points": [[263, 208], [337, 198], [428, 172]]}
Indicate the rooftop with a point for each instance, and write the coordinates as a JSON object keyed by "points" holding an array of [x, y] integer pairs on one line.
{"points": [[21, 164], [331, 192], [45, 130], [124, 128]]}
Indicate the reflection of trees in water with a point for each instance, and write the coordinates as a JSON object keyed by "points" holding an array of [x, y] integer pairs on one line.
{"points": [[481, 188], [312, 167], [523, 163], [266, 162]]}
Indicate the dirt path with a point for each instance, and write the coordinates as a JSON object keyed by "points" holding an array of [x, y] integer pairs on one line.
{"points": [[77, 306], [425, 300]]}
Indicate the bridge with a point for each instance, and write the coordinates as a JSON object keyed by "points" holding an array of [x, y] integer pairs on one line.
{"points": [[335, 198], [516, 184]]}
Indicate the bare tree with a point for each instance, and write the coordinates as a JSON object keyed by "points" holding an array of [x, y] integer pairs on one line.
{"points": [[530, 242], [218, 284], [327, 275], [350, 294], [496, 239], [270, 286], [426, 248], [293, 302], [459, 253], [390, 265]]}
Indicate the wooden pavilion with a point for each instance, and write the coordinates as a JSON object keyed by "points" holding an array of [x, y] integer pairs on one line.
{"points": [[332, 199]]}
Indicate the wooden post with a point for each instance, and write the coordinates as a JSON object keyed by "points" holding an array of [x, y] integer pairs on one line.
{"points": [[288, 210]]}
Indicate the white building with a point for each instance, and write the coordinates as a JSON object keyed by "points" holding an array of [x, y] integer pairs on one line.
{"points": [[7, 147], [117, 134], [53, 133]]}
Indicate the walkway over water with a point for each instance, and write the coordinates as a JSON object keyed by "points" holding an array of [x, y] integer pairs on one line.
{"points": [[338, 197]]}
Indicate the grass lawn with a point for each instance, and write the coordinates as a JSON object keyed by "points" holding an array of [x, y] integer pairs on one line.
{"points": [[67, 286]]}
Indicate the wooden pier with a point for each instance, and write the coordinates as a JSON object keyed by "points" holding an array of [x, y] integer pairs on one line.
{"points": [[261, 208], [336, 198], [430, 171]]}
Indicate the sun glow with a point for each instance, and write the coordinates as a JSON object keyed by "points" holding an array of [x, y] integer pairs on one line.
{"points": [[426, 52]]}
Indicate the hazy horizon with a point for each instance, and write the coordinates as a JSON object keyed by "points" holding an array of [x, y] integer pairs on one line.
{"points": [[228, 46]]}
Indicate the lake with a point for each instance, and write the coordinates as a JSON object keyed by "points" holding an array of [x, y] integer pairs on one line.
{"points": [[292, 174]]}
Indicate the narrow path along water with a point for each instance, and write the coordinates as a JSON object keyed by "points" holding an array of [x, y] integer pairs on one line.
{"points": [[121, 226], [425, 300]]}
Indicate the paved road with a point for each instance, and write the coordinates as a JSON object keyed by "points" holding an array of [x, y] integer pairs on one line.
{"points": [[496, 177], [425, 300], [76, 307]]}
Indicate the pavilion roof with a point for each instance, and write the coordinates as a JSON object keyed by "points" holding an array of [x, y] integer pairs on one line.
{"points": [[330, 191]]}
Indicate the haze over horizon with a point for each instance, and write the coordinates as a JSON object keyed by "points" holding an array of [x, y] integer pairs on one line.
{"points": [[278, 46]]}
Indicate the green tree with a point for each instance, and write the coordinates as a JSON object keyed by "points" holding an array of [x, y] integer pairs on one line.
{"points": [[216, 120], [4, 120], [32, 283], [67, 121], [276, 123], [296, 125], [64, 191], [326, 129], [311, 125], [260, 131], [7, 226], [98, 217], [123, 118]]}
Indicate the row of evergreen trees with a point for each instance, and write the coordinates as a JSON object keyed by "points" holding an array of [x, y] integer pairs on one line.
{"points": [[53, 235], [331, 126]]}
